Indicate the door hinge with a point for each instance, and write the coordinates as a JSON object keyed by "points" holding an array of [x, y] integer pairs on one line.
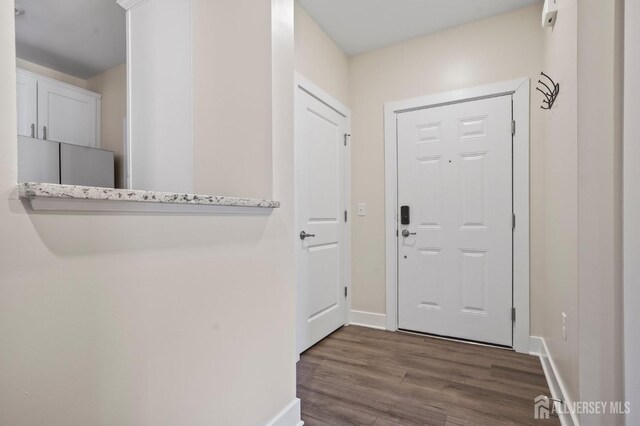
{"points": [[345, 215], [346, 291], [513, 222], [346, 135], [513, 314], [513, 127]]}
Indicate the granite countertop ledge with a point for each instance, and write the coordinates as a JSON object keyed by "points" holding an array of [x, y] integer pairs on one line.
{"points": [[32, 191]]}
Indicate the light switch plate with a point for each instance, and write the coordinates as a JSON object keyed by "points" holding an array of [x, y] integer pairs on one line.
{"points": [[362, 209]]}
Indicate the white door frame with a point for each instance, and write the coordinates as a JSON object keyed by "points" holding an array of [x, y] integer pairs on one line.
{"points": [[520, 91], [631, 197], [313, 90]]}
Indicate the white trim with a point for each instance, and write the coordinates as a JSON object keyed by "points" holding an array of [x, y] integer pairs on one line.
{"points": [[191, 94], [98, 122], [60, 83], [368, 319], [535, 345], [554, 380], [324, 97], [631, 207], [309, 87], [521, 106], [127, 153], [347, 206], [289, 416], [520, 91]]}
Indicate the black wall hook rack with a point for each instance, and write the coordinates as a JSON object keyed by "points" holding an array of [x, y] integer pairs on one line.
{"points": [[550, 92]]}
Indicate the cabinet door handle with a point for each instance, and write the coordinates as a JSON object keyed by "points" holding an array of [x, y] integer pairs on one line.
{"points": [[33, 130], [44, 133]]}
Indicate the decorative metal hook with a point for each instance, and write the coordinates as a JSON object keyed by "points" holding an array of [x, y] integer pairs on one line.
{"points": [[550, 93]]}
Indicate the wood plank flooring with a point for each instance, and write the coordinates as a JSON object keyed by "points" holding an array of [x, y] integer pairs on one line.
{"points": [[362, 376]]}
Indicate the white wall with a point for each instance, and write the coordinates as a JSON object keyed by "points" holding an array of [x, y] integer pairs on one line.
{"points": [[561, 198], [500, 48], [583, 202], [319, 59], [600, 77], [116, 319], [632, 209]]}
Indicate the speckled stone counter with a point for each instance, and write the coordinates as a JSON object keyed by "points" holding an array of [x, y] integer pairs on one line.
{"points": [[126, 197]]}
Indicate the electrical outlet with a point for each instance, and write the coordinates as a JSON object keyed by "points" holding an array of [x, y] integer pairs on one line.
{"points": [[362, 209], [564, 326]]}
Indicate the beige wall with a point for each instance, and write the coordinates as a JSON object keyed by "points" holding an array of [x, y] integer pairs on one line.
{"points": [[497, 49], [112, 84], [232, 76], [51, 73], [561, 199], [151, 319], [319, 59]]}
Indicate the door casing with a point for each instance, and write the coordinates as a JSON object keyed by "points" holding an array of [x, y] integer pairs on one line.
{"points": [[519, 89], [302, 83]]}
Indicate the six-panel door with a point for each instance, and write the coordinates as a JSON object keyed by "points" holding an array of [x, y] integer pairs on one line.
{"points": [[455, 174]]}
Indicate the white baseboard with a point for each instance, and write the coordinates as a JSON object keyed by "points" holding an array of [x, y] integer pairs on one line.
{"points": [[535, 345], [538, 347], [368, 319], [289, 416]]}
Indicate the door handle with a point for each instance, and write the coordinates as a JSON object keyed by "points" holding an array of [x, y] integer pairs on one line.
{"points": [[304, 235], [406, 233]]}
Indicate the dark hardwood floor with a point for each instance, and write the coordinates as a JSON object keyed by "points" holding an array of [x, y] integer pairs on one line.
{"points": [[361, 376]]}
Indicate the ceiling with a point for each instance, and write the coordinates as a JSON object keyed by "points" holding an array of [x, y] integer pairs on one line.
{"points": [[78, 37], [359, 26]]}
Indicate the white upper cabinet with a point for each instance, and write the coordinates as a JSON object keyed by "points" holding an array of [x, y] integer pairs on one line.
{"points": [[59, 112], [66, 114], [27, 94]]}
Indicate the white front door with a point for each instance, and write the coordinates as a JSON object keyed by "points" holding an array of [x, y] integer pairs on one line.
{"points": [[320, 208], [455, 239]]}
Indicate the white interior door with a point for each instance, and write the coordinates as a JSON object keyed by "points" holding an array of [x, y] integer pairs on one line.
{"points": [[27, 97], [455, 257], [67, 115], [320, 209]]}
